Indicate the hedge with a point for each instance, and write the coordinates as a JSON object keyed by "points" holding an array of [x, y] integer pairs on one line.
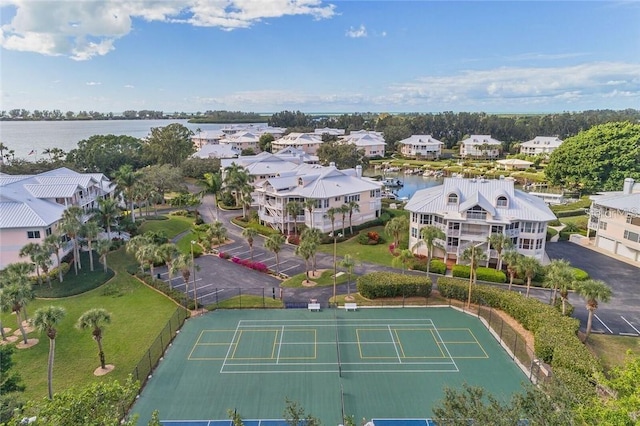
{"points": [[556, 339], [482, 273], [390, 284], [437, 266], [567, 213], [178, 296]]}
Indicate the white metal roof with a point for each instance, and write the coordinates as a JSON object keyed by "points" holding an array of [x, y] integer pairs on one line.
{"points": [[481, 140], [543, 141], [420, 140]]}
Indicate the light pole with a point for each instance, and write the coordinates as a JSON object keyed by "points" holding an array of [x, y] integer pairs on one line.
{"points": [[195, 296]]}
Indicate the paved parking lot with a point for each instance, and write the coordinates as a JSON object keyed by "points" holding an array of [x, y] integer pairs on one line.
{"points": [[619, 316]]}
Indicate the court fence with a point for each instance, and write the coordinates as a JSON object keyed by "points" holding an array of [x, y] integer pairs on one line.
{"points": [[150, 359]]}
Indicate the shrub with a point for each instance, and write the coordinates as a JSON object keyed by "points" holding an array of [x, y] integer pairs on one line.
{"points": [[419, 263], [389, 284], [580, 275], [165, 288], [293, 239], [179, 213], [225, 256], [256, 266]]}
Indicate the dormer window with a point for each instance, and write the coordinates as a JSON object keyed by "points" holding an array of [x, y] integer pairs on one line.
{"points": [[300, 182], [502, 201], [452, 198]]}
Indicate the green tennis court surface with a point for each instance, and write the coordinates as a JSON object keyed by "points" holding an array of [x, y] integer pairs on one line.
{"points": [[374, 363]]}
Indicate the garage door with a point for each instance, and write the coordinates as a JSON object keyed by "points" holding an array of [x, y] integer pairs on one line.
{"points": [[627, 252], [607, 244]]}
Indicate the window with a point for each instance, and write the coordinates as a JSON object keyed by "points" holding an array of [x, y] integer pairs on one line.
{"points": [[452, 199], [502, 202], [454, 225], [426, 219], [33, 234], [47, 231], [539, 243], [602, 225], [476, 212], [632, 236], [453, 242], [496, 229], [374, 193], [414, 232], [528, 227], [349, 198], [526, 244], [634, 220]]}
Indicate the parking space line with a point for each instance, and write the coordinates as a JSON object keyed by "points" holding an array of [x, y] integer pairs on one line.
{"points": [[233, 249], [630, 325], [602, 322], [629, 334], [287, 269], [212, 293]]}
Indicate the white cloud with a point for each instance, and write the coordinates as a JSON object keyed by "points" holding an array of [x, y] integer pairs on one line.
{"points": [[129, 86], [84, 29], [93, 83], [359, 32]]}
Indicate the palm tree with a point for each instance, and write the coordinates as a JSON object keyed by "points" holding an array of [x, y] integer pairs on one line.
{"points": [[135, 246], [103, 247], [32, 250], [344, 210], [274, 244], [218, 231], [293, 207], [250, 234], [395, 227], [499, 242], [348, 263], [310, 204], [168, 252], [559, 271], [511, 258], [184, 264], [305, 251], [55, 244], [42, 259], [402, 259], [70, 224], [312, 236], [126, 179], [90, 231], [593, 291], [212, 185], [474, 254], [528, 267], [331, 214], [45, 321], [237, 177], [47, 151], [352, 206], [95, 319], [15, 297], [428, 235], [246, 199], [107, 212]]}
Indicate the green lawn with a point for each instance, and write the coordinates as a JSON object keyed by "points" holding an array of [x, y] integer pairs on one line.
{"points": [[612, 350], [249, 302], [326, 279], [367, 253], [138, 315], [173, 226]]}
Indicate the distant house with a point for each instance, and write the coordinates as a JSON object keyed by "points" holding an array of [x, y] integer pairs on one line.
{"points": [[329, 131], [242, 141], [217, 151], [308, 142], [201, 139], [31, 206], [480, 146], [544, 145], [421, 146], [470, 210], [372, 143], [514, 164], [328, 187], [615, 218]]}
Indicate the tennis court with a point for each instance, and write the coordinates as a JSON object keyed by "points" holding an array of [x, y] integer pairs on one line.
{"points": [[384, 364]]}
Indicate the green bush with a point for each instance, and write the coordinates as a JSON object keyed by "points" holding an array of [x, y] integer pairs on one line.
{"points": [[262, 230], [567, 213], [482, 273], [580, 275], [389, 284], [555, 222], [165, 288]]}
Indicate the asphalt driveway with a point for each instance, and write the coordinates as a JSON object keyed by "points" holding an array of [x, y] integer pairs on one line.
{"points": [[621, 315]]}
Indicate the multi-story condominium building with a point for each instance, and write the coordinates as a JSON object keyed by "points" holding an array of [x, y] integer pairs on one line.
{"points": [[372, 143], [421, 146], [480, 146], [242, 141], [540, 145], [329, 131], [211, 137], [266, 165], [217, 151], [615, 218], [469, 210], [31, 206], [328, 187], [308, 142]]}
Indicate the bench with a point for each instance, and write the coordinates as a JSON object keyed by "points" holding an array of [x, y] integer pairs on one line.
{"points": [[350, 307], [313, 307]]}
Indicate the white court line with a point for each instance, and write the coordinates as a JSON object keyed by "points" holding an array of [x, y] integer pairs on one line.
{"points": [[630, 325], [394, 344], [280, 345], [233, 339], [602, 322]]}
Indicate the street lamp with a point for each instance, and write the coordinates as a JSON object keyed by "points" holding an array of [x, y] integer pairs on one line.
{"points": [[335, 263], [195, 296]]}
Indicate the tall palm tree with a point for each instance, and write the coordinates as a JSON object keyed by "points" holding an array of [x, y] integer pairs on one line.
{"points": [[352, 207], [126, 179], [246, 199], [168, 252], [402, 259], [474, 254], [236, 178], [312, 236], [310, 205], [42, 259], [593, 291], [15, 297], [218, 231], [428, 235], [55, 244], [212, 185], [184, 264], [274, 244], [45, 320], [107, 212], [331, 214], [70, 224], [344, 211], [305, 251], [559, 271], [293, 208], [95, 319], [395, 227], [250, 234], [90, 232], [499, 242], [348, 263], [528, 267], [135, 247], [32, 250], [511, 258], [103, 247]]}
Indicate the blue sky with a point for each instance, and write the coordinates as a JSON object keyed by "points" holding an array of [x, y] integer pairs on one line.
{"points": [[319, 56]]}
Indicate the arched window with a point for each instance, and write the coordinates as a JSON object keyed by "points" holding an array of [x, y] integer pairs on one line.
{"points": [[502, 201], [452, 198]]}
